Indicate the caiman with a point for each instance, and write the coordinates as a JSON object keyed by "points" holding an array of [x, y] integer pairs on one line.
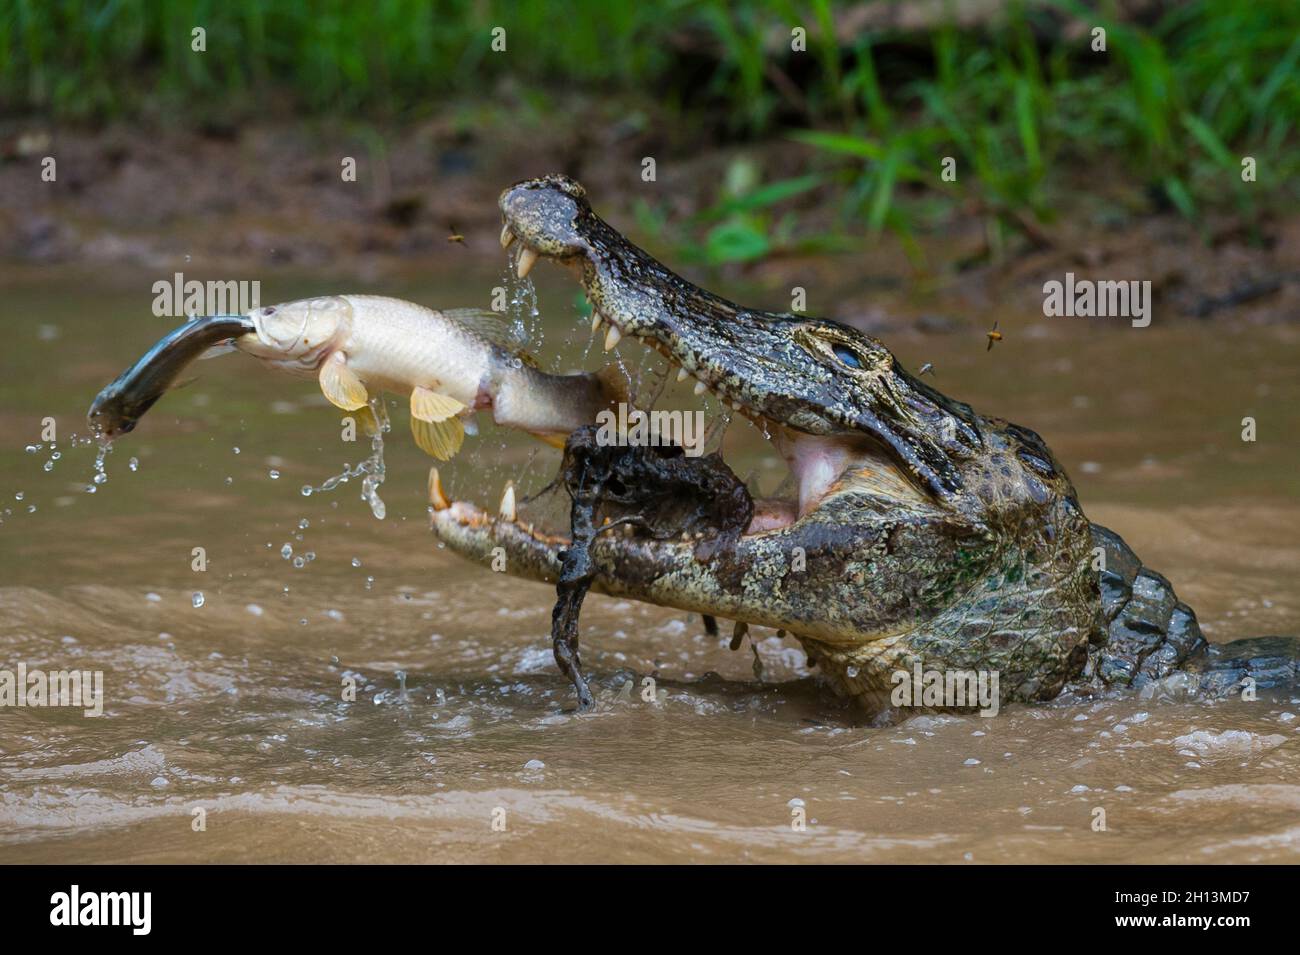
{"points": [[921, 531]]}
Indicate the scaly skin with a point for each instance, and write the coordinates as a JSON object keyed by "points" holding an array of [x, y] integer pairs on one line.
{"points": [[950, 539]]}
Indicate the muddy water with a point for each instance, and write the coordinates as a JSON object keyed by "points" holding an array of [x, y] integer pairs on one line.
{"points": [[235, 706]]}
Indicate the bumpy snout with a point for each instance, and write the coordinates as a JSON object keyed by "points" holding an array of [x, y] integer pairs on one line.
{"points": [[547, 215]]}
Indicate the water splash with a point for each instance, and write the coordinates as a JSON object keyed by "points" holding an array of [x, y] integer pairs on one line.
{"points": [[371, 470], [101, 474], [523, 310], [716, 431]]}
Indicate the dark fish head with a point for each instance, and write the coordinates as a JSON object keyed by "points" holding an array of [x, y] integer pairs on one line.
{"points": [[118, 408]]}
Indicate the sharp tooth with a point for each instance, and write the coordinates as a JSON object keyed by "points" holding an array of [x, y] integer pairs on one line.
{"points": [[612, 337], [595, 322], [682, 374], [526, 259], [507, 508], [506, 237], [436, 497], [701, 387]]}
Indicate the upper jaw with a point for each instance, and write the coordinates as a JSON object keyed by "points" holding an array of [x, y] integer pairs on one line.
{"points": [[696, 331], [746, 359], [713, 346]]}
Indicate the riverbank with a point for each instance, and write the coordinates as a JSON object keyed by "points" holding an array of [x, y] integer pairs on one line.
{"points": [[256, 201]]}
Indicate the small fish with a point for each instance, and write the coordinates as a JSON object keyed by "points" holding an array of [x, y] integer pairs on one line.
{"points": [[117, 409], [994, 336], [454, 236], [451, 363]]}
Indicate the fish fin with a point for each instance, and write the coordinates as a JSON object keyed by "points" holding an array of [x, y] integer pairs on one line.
{"points": [[366, 418], [438, 439], [495, 327], [433, 407], [216, 351], [553, 438], [340, 384]]}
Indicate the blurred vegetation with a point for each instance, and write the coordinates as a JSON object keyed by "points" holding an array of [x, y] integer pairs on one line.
{"points": [[1176, 103]]}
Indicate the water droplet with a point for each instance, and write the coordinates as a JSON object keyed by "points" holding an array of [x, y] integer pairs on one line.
{"points": [[304, 524], [197, 599], [236, 450], [306, 490], [356, 561], [18, 496], [286, 551], [299, 562], [370, 582], [275, 475], [133, 464]]}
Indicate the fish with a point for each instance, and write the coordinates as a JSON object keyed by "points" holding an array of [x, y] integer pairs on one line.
{"points": [[451, 363], [123, 402]]}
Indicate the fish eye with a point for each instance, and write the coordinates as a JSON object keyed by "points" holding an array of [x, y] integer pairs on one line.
{"points": [[269, 310], [846, 355]]}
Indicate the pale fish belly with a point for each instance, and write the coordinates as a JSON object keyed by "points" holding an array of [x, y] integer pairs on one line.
{"points": [[397, 346]]}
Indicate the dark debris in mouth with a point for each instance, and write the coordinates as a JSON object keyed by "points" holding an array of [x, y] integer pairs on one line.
{"points": [[657, 490]]}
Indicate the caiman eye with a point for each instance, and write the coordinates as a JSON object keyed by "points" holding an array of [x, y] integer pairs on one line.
{"points": [[846, 355]]}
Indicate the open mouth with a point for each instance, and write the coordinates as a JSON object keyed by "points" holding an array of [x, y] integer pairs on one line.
{"points": [[820, 466]]}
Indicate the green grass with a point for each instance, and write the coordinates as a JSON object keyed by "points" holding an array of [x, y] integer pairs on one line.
{"points": [[1174, 106]]}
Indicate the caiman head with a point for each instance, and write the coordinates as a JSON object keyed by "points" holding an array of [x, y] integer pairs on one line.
{"points": [[918, 532]]}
